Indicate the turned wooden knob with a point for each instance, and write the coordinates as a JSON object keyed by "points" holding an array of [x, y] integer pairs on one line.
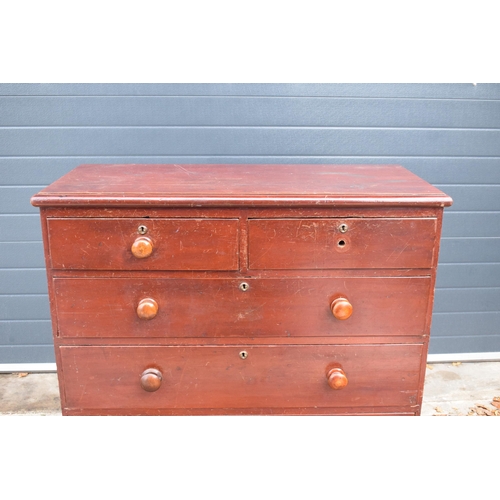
{"points": [[147, 308], [151, 379], [336, 377], [142, 247], [341, 308]]}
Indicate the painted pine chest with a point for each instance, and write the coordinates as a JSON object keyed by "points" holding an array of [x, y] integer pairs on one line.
{"points": [[241, 289]]}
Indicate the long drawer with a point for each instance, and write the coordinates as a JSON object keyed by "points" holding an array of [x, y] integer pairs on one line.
{"points": [[341, 243], [174, 244], [268, 376], [271, 307]]}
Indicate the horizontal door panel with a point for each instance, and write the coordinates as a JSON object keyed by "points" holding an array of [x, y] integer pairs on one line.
{"points": [[307, 141], [150, 111]]}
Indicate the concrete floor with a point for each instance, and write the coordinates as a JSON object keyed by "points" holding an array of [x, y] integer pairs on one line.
{"points": [[453, 389]]}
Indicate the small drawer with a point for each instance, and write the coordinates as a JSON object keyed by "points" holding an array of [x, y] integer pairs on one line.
{"points": [[341, 243], [135, 244], [137, 378], [271, 307]]}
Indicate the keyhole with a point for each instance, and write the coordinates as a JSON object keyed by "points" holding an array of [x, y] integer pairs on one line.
{"points": [[343, 228], [243, 355], [142, 229], [244, 286]]}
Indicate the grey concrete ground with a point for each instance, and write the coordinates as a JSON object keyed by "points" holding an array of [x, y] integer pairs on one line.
{"points": [[457, 389], [29, 394], [454, 389]]}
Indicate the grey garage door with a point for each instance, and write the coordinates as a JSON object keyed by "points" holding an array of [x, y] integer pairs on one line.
{"points": [[449, 134]]}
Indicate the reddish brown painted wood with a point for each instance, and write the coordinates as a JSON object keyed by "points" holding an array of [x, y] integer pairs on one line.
{"points": [[329, 328], [178, 244], [158, 341], [301, 307], [216, 377], [319, 243], [299, 212], [238, 185], [354, 411]]}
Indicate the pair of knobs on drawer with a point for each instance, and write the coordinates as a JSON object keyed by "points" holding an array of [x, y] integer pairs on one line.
{"points": [[341, 308], [151, 379]]}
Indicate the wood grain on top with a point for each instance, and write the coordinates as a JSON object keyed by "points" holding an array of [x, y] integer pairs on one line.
{"points": [[229, 185]]}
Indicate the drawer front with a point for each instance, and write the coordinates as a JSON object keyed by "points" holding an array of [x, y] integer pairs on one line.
{"points": [[299, 307], [341, 243], [217, 377], [176, 244]]}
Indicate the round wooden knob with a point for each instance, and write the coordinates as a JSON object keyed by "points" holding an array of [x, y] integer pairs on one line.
{"points": [[341, 308], [142, 247], [147, 309], [337, 379], [151, 379]]}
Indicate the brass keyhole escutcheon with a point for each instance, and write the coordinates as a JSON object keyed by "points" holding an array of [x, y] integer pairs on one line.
{"points": [[244, 287], [343, 228], [142, 229], [243, 354]]}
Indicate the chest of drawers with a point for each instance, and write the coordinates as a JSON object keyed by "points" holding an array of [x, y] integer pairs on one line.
{"points": [[241, 289]]}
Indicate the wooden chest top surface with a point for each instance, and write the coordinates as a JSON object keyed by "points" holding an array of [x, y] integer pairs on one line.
{"points": [[232, 185]]}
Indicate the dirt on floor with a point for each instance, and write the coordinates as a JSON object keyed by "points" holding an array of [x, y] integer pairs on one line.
{"points": [[478, 410]]}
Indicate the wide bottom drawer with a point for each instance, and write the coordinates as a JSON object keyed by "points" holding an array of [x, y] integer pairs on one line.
{"points": [[240, 376]]}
